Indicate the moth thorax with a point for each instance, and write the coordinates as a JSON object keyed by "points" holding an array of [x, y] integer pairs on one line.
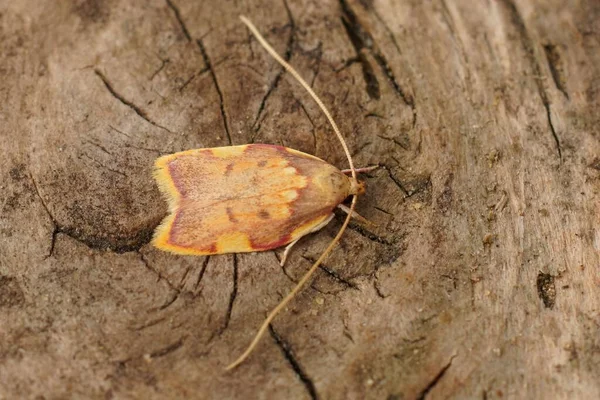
{"points": [[356, 186], [331, 183]]}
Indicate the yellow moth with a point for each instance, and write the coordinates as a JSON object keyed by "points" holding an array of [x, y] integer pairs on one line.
{"points": [[252, 197]]}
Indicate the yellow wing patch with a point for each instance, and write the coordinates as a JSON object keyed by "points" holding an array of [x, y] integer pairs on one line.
{"points": [[229, 152], [233, 242]]}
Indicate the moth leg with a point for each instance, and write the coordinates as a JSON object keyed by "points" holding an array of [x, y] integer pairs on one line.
{"points": [[356, 215], [361, 170], [314, 229]]}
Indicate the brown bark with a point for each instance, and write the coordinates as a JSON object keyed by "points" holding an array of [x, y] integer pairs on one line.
{"points": [[480, 281]]}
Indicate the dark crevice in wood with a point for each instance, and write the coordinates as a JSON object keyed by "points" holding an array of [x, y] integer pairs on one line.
{"points": [[174, 296], [99, 146], [159, 69], [157, 273], [118, 245], [232, 297], [209, 67], [349, 62], [383, 211], [393, 140], [191, 78], [201, 273], [528, 46], [332, 273], [313, 130], [114, 171], [286, 273], [362, 39], [553, 130], [184, 29], [149, 324], [126, 102], [287, 352], [378, 289], [55, 227], [118, 131], [396, 181], [55, 233], [287, 55], [362, 231], [312, 286], [218, 88], [169, 349], [184, 278], [122, 245], [435, 380], [555, 64], [319, 59]]}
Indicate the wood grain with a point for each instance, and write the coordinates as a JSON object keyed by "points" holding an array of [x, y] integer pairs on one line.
{"points": [[481, 280]]}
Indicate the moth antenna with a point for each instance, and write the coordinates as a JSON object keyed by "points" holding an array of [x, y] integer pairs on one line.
{"points": [[302, 82], [336, 239]]}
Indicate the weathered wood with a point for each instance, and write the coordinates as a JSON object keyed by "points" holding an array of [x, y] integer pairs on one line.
{"points": [[480, 281]]}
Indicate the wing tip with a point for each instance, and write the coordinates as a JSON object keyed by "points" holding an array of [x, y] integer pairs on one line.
{"points": [[162, 240]]}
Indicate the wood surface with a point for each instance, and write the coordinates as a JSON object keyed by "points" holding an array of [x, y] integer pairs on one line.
{"points": [[481, 279]]}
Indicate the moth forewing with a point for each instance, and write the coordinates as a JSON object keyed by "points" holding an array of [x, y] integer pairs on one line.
{"points": [[244, 198]]}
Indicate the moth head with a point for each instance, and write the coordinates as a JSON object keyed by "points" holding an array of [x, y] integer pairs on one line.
{"points": [[356, 186]]}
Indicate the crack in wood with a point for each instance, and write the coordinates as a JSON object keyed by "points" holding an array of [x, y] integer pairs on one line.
{"points": [[191, 78], [201, 273], [218, 88], [159, 70], [287, 56], [362, 231], [436, 379], [99, 146], [115, 171], [132, 243], [396, 181], [184, 29], [528, 47], [232, 297], [288, 353], [378, 291], [55, 227], [155, 272], [332, 274], [319, 58], [393, 140], [361, 40], [209, 67], [556, 70], [166, 350], [126, 102], [313, 130]]}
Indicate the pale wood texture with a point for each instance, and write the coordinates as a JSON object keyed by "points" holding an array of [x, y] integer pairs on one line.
{"points": [[481, 279]]}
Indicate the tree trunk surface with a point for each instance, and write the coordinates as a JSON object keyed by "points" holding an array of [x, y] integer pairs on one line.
{"points": [[479, 279]]}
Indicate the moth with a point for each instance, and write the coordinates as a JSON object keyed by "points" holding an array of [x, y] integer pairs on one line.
{"points": [[252, 197], [246, 198]]}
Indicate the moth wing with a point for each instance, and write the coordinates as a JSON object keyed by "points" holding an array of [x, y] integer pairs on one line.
{"points": [[243, 198]]}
